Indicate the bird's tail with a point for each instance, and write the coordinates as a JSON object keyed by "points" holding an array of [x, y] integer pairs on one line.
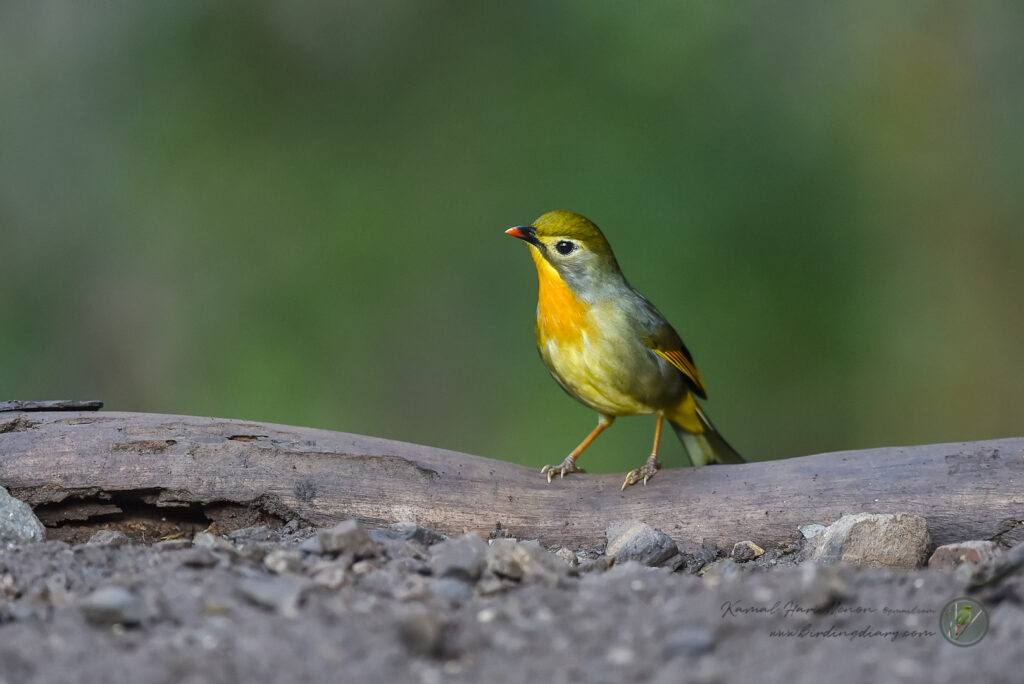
{"points": [[701, 441]]}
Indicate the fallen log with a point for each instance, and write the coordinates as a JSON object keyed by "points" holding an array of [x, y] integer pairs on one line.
{"points": [[153, 475]]}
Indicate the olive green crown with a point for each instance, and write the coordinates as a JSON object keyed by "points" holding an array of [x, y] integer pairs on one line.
{"points": [[566, 224]]}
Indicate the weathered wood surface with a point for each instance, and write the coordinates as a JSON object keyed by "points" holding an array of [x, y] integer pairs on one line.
{"points": [[964, 490], [50, 405]]}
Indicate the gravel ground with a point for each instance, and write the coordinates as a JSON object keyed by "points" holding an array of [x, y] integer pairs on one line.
{"points": [[400, 605]]}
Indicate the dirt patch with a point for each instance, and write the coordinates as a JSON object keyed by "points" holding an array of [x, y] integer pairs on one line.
{"points": [[147, 515], [266, 604]]}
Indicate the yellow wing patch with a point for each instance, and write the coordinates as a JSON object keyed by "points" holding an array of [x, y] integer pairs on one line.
{"points": [[678, 359]]}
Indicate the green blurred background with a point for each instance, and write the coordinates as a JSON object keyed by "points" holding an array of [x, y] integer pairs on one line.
{"points": [[293, 212]]}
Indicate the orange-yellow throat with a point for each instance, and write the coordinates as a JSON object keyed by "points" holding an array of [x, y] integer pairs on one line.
{"points": [[561, 316]]}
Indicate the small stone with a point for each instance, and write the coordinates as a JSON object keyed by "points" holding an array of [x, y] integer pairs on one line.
{"points": [[675, 563], [250, 553], [411, 531], [569, 556], [455, 590], [708, 550], [788, 547], [636, 540], [506, 559], [525, 561], [208, 540], [489, 585], [311, 545], [745, 551], [462, 557], [15, 611], [974, 552], [812, 530], [1008, 563], [363, 567], [412, 588], [112, 538], [347, 536], [200, 557], [723, 567], [1010, 533], [17, 521], [280, 561], [331, 574], [596, 565], [897, 540], [113, 605], [421, 632], [688, 641], [281, 594], [687, 563]]}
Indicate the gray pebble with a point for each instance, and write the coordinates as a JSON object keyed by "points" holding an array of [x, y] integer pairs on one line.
{"points": [[596, 565], [744, 551], [113, 538], [526, 561], [569, 556], [311, 545], [280, 594], [898, 540], [113, 605], [453, 589], [463, 557], [331, 574], [411, 531], [209, 540], [812, 530], [346, 536], [281, 560], [200, 557], [974, 552], [636, 540], [17, 521]]}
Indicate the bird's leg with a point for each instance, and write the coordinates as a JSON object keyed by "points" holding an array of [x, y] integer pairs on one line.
{"points": [[648, 469], [569, 464]]}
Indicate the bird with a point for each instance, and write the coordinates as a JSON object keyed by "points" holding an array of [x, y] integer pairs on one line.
{"points": [[608, 346], [963, 620]]}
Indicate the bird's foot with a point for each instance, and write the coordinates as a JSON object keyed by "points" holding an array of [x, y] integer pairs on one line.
{"points": [[644, 472], [567, 466]]}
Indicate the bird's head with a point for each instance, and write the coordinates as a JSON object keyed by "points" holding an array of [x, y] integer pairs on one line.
{"points": [[573, 246]]}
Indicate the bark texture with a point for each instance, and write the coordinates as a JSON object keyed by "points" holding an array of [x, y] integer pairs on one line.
{"points": [[153, 475]]}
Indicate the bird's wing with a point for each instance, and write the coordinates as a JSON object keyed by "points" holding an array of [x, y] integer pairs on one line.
{"points": [[664, 341], [680, 358]]}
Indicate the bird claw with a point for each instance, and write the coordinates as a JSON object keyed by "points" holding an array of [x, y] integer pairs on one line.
{"points": [[644, 472], [567, 466]]}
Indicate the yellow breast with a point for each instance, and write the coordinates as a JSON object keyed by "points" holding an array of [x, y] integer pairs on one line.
{"points": [[586, 361]]}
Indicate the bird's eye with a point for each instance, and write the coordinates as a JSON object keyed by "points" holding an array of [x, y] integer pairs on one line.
{"points": [[565, 247]]}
